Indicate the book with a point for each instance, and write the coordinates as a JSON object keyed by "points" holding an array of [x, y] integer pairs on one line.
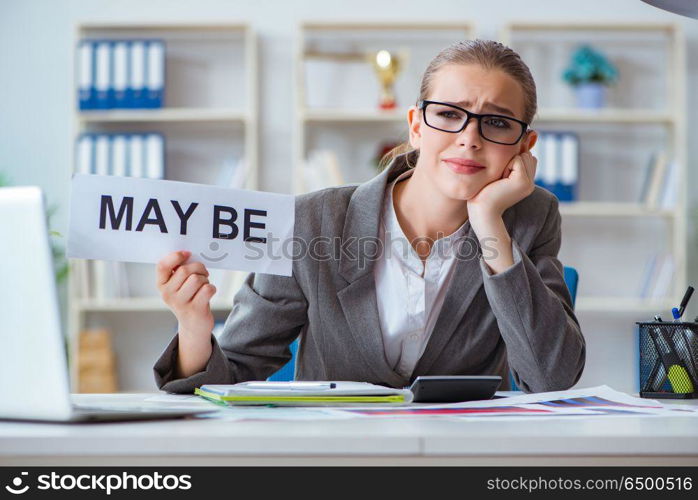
{"points": [[669, 195], [647, 177], [549, 163], [657, 180], [649, 276], [155, 74], [664, 279], [569, 167], [315, 393], [86, 88]]}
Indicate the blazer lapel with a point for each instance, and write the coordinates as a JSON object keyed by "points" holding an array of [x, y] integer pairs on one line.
{"points": [[358, 299]]}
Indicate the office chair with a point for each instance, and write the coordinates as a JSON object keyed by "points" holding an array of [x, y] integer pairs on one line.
{"points": [[286, 372]]}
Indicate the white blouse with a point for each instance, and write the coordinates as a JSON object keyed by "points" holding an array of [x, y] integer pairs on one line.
{"points": [[410, 293]]}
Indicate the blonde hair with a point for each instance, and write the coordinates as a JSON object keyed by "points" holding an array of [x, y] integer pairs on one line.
{"points": [[489, 55]]}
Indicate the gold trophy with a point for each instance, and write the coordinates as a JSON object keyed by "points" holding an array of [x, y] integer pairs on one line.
{"points": [[387, 67]]}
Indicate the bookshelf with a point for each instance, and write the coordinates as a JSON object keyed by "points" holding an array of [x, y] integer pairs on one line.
{"points": [[209, 123], [646, 110], [611, 235]]}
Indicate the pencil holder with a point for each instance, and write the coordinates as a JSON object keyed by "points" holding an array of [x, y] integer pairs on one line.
{"points": [[668, 360]]}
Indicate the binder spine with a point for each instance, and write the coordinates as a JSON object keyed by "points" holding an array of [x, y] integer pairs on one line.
{"points": [[103, 80], [155, 80], [120, 60], [155, 165], [84, 154], [136, 156], [102, 154], [569, 149], [549, 174], [86, 75], [137, 74], [118, 155]]}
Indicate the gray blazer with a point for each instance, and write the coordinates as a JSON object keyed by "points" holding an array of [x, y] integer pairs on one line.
{"points": [[520, 319]]}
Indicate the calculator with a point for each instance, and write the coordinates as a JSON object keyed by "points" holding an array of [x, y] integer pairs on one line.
{"points": [[454, 388]]}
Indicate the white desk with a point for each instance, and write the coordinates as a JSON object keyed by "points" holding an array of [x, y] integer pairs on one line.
{"points": [[617, 440]]}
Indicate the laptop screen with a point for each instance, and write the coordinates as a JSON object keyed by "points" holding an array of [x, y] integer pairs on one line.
{"points": [[34, 380]]}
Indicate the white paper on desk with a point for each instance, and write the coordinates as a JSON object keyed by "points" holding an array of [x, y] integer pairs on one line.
{"points": [[141, 220], [597, 400], [593, 401], [455, 410]]}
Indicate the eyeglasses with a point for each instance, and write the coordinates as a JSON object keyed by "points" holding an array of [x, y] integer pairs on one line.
{"points": [[493, 128]]}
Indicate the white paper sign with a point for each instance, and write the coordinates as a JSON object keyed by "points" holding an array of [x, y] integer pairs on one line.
{"points": [[141, 220]]}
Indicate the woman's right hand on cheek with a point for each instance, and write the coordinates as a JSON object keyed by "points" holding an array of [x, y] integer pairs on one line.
{"points": [[186, 291]]}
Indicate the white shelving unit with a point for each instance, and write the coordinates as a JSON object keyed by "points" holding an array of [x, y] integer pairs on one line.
{"points": [[659, 106], [609, 235], [209, 119]]}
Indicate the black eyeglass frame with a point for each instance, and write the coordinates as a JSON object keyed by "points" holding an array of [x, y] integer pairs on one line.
{"points": [[469, 114]]}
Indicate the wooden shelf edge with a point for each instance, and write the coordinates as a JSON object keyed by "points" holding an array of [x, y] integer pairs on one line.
{"points": [[163, 115], [623, 305], [610, 209]]}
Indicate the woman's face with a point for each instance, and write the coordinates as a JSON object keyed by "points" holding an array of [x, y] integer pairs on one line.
{"points": [[442, 154]]}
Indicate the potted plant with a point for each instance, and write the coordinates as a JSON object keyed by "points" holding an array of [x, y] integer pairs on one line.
{"points": [[590, 73]]}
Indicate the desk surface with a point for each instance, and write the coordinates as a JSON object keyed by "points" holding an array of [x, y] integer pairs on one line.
{"points": [[604, 440]]}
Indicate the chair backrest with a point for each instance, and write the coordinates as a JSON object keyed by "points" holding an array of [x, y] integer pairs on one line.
{"points": [[571, 280], [286, 373]]}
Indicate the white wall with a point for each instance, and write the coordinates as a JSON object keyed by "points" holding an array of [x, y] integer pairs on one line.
{"points": [[36, 76]]}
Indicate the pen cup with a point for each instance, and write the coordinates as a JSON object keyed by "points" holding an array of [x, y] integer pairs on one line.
{"points": [[668, 360]]}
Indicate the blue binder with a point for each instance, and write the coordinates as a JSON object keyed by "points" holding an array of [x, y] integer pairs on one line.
{"points": [[136, 93], [103, 75], [121, 74], [84, 154], [86, 74], [120, 57], [155, 73], [558, 164]]}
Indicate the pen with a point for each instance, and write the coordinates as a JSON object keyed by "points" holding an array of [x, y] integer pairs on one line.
{"points": [[678, 312], [297, 386]]}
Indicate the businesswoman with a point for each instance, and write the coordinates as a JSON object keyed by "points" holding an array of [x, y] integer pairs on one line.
{"points": [[445, 263]]}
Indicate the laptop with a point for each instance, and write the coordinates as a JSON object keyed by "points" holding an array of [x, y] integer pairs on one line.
{"points": [[34, 375]]}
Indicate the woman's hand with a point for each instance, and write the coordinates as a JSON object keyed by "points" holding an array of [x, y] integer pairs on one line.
{"points": [[485, 210], [186, 291], [515, 184]]}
